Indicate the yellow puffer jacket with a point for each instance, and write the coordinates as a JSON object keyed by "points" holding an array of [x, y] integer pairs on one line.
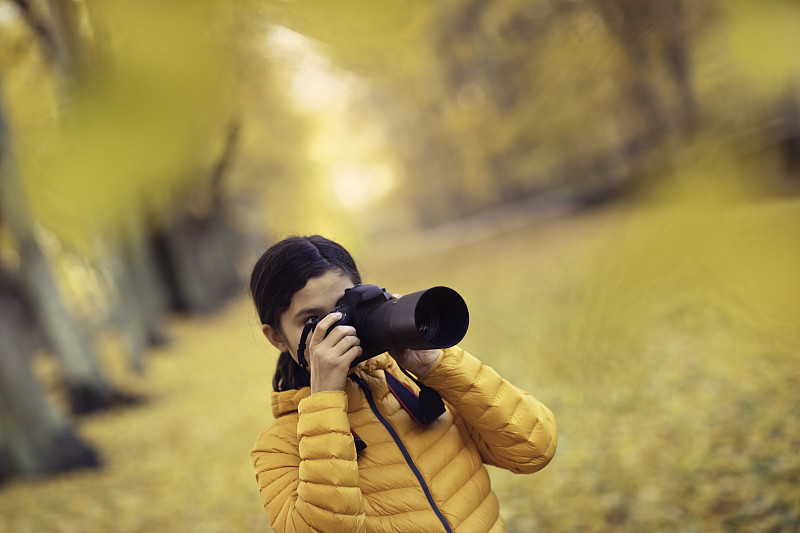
{"points": [[409, 477]]}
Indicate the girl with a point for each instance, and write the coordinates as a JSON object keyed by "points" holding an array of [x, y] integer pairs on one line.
{"points": [[348, 449]]}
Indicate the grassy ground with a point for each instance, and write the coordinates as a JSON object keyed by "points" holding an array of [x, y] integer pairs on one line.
{"points": [[665, 345]]}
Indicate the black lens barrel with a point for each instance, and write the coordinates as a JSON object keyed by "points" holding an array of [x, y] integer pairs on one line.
{"points": [[431, 318]]}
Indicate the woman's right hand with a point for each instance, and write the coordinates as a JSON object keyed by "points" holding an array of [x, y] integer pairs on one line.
{"points": [[330, 357]]}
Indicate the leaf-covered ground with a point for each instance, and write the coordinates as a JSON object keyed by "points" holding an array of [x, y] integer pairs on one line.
{"points": [[665, 344]]}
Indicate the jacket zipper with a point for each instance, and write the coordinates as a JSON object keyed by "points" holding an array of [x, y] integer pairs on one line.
{"points": [[404, 451]]}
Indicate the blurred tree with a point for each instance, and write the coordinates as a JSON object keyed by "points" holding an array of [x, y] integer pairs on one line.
{"points": [[124, 250], [116, 121], [197, 246], [139, 296], [657, 35], [60, 42], [71, 53], [87, 387], [39, 27], [139, 116], [34, 438], [137, 306], [573, 92]]}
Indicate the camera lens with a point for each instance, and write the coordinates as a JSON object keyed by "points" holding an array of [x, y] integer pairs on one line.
{"points": [[441, 316], [427, 321], [432, 318]]}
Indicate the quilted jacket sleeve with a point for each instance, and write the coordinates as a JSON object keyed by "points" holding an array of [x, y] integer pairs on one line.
{"points": [[309, 481], [511, 428]]}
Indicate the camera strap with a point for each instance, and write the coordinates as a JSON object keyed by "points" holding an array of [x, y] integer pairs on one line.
{"points": [[301, 348], [423, 408]]}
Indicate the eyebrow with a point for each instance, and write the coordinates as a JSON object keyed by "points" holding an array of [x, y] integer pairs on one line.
{"points": [[309, 311]]}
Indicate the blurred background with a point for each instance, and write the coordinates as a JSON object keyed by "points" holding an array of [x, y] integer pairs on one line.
{"points": [[612, 185]]}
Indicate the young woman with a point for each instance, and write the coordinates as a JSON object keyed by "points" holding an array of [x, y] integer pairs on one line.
{"points": [[348, 449]]}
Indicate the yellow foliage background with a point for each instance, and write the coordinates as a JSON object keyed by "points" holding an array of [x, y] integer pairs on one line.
{"points": [[662, 331]]}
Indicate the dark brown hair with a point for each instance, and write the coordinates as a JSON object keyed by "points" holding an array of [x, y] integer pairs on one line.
{"points": [[279, 273]]}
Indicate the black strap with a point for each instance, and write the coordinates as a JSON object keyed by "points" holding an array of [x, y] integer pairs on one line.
{"points": [[423, 408], [359, 443], [301, 348]]}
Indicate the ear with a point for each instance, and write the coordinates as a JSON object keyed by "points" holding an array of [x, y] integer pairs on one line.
{"points": [[275, 337]]}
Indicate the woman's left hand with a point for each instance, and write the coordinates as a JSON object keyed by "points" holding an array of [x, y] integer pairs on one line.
{"points": [[417, 362]]}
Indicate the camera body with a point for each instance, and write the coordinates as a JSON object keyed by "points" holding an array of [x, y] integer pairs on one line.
{"points": [[354, 305], [431, 318]]}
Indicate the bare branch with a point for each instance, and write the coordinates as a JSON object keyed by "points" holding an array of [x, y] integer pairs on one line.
{"points": [[38, 26]]}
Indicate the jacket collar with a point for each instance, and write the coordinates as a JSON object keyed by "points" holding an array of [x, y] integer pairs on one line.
{"points": [[286, 402]]}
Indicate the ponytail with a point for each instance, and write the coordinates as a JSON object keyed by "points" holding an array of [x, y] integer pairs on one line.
{"points": [[289, 375]]}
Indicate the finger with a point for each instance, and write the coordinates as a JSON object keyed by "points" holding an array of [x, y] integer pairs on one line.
{"points": [[346, 343], [329, 320], [324, 325], [352, 354], [396, 296], [340, 332]]}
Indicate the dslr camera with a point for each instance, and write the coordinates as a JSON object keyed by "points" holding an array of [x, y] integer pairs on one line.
{"points": [[431, 318]]}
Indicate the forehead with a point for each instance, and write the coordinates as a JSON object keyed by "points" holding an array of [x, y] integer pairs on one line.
{"points": [[320, 293]]}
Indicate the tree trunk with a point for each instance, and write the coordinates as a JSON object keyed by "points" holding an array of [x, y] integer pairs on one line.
{"points": [[34, 438], [66, 24], [39, 27], [189, 254], [86, 386], [140, 306], [127, 314], [676, 54], [197, 253], [630, 21], [138, 254]]}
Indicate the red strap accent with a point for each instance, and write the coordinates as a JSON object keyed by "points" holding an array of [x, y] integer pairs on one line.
{"points": [[408, 399]]}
